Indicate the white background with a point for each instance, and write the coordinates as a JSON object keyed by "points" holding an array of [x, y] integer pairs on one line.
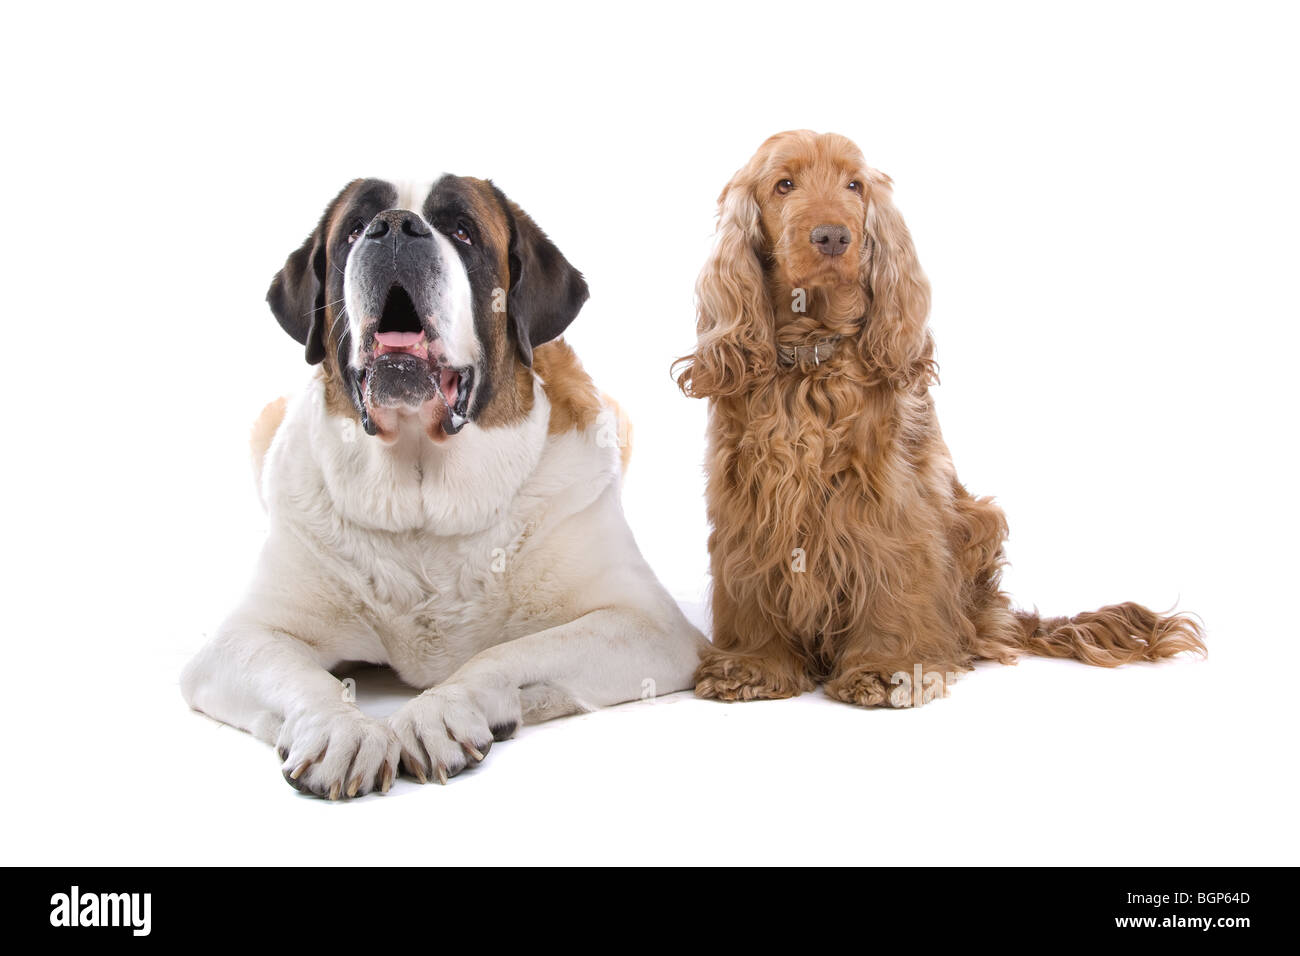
{"points": [[1105, 199]]}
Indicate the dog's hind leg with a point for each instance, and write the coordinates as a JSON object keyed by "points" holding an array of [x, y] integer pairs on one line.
{"points": [[978, 531], [1108, 637]]}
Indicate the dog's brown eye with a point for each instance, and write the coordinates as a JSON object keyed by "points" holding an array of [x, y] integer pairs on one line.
{"points": [[463, 235], [856, 186], [355, 234], [784, 186]]}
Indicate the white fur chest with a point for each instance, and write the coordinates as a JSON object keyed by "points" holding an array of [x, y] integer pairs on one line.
{"points": [[424, 543]]}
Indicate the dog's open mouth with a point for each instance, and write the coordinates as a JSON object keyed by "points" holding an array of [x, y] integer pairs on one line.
{"points": [[406, 372]]}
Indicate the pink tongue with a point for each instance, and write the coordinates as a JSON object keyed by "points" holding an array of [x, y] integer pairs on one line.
{"points": [[398, 340]]}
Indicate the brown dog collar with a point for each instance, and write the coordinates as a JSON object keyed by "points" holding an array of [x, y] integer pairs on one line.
{"points": [[816, 353]]}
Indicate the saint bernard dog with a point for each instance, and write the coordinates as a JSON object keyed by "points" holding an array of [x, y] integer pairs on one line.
{"points": [[443, 498]]}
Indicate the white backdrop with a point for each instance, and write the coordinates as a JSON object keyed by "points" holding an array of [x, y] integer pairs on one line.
{"points": [[1104, 197]]}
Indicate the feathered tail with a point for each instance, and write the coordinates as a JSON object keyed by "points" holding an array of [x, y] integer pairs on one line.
{"points": [[1110, 636]]}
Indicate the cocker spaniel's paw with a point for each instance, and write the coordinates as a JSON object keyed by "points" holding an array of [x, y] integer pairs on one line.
{"points": [[451, 727], [872, 685], [732, 677], [863, 687], [336, 753]]}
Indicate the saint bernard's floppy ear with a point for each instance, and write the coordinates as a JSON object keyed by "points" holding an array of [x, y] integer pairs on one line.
{"points": [[546, 292], [297, 293]]}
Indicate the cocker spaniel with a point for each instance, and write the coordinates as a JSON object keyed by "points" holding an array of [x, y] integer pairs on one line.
{"points": [[843, 548]]}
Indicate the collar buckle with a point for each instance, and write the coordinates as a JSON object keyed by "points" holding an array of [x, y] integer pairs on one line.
{"points": [[816, 352]]}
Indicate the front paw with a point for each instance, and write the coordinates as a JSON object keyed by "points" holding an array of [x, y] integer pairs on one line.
{"points": [[865, 687], [337, 752], [732, 677], [451, 727]]}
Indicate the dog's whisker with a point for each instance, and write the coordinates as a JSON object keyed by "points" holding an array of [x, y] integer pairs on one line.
{"points": [[337, 319], [322, 308]]}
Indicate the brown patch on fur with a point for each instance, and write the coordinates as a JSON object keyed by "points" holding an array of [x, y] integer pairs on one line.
{"points": [[491, 219], [338, 403], [575, 402], [512, 398], [624, 426], [264, 428], [843, 547]]}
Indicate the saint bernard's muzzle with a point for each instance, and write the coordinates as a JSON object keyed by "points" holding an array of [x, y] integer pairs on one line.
{"points": [[411, 325], [422, 316]]}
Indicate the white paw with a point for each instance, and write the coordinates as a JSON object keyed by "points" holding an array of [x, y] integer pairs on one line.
{"points": [[451, 727], [337, 752]]}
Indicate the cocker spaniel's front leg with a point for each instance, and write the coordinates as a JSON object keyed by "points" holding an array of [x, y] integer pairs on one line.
{"points": [[770, 675], [749, 659], [906, 667]]}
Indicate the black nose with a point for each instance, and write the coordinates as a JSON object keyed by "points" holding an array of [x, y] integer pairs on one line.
{"points": [[401, 222], [831, 240]]}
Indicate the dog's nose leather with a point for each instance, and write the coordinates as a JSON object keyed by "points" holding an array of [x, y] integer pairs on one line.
{"points": [[397, 221], [831, 240]]}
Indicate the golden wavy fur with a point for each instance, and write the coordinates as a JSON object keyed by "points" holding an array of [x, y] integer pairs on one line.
{"points": [[844, 550]]}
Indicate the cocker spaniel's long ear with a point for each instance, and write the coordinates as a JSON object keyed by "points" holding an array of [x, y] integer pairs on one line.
{"points": [[895, 340], [736, 327]]}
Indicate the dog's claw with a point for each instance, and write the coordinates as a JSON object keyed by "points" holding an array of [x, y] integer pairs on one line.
{"points": [[413, 765], [473, 752], [334, 790], [302, 767], [354, 786], [387, 780], [442, 775]]}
